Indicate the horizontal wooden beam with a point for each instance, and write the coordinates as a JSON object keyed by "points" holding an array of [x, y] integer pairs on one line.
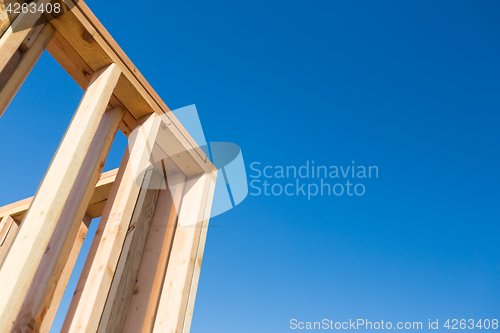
{"points": [[86, 36], [101, 193]]}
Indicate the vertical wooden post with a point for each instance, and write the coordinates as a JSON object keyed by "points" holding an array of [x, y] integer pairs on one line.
{"points": [[193, 288], [181, 281], [56, 256], [8, 230], [93, 287], [118, 300], [48, 319], [60, 202], [22, 44], [63, 241], [146, 293]]}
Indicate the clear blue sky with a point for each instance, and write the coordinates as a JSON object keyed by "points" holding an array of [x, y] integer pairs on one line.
{"points": [[409, 86]]}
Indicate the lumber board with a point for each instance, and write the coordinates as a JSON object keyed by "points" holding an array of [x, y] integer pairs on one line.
{"points": [[122, 287], [199, 259], [177, 290], [55, 258], [95, 281], [38, 228], [146, 292], [48, 318], [18, 209], [114, 283]]}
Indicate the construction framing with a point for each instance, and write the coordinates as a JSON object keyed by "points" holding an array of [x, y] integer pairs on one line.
{"points": [[142, 271]]}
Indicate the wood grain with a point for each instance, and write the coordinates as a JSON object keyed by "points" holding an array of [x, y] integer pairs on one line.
{"points": [[146, 292], [38, 228], [65, 276], [95, 281], [118, 300], [180, 279]]}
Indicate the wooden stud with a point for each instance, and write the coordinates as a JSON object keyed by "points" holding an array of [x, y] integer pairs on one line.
{"points": [[146, 292], [179, 286], [37, 229], [122, 281], [48, 319], [199, 259], [55, 258], [119, 296], [91, 293]]}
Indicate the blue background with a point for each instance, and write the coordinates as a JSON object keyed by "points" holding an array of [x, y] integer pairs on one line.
{"points": [[411, 87]]}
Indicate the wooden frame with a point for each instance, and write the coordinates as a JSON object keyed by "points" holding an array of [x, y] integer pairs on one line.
{"points": [[142, 271]]}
